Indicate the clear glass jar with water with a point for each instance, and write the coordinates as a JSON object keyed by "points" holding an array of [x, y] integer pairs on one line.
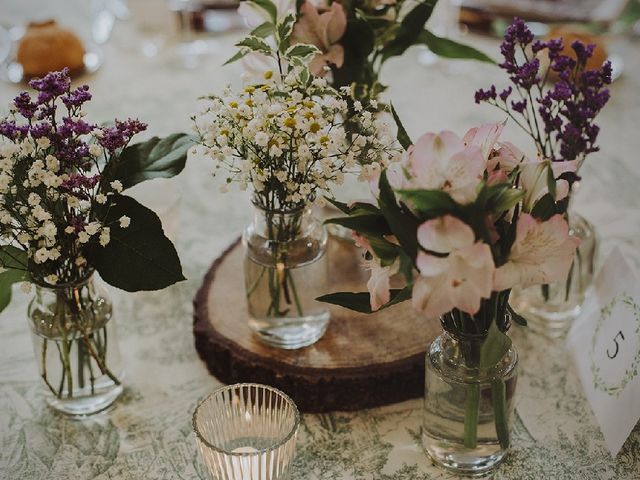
{"points": [[76, 347], [285, 270], [468, 409]]}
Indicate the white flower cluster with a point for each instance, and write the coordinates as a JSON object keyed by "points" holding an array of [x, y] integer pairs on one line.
{"points": [[49, 211], [291, 137]]}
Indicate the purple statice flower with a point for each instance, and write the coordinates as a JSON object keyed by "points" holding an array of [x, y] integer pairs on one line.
{"points": [[52, 85], [484, 95], [559, 119], [80, 181], [504, 94], [118, 136], [517, 34], [13, 131], [519, 105], [526, 75], [25, 106], [583, 52], [41, 129], [77, 97], [71, 126], [131, 127]]}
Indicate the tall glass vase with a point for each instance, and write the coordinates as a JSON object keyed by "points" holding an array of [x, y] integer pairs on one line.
{"points": [[285, 270], [468, 405], [76, 347], [551, 309]]}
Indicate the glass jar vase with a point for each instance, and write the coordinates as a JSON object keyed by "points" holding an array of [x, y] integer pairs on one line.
{"points": [[75, 345], [551, 309], [467, 408], [285, 270]]}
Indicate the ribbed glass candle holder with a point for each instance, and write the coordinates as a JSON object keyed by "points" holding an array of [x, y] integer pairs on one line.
{"points": [[247, 432]]}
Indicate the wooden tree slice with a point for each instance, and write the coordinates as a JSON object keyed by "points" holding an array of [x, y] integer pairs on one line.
{"points": [[362, 361]]}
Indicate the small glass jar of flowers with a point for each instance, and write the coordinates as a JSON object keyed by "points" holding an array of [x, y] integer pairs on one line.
{"points": [[283, 136], [462, 221], [63, 217], [560, 120]]}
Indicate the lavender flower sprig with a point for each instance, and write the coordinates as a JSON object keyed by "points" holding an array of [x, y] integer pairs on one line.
{"points": [[560, 119]]}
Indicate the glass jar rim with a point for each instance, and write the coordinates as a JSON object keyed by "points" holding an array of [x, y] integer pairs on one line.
{"points": [[281, 211], [275, 446], [62, 286]]}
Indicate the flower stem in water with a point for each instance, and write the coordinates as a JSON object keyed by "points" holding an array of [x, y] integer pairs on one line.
{"points": [[471, 416]]}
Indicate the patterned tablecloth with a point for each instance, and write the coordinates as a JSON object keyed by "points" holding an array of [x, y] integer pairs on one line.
{"points": [[147, 434]]}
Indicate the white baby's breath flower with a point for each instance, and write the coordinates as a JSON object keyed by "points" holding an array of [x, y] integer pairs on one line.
{"points": [[51, 279], [43, 142], [53, 164], [92, 228], [83, 237], [101, 198], [80, 261], [95, 150], [105, 236], [117, 186], [73, 202], [34, 199], [41, 255], [124, 221]]}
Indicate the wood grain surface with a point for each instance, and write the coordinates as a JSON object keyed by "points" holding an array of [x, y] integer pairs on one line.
{"points": [[362, 361]]}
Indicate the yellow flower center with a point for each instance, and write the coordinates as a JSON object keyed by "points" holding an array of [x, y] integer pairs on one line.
{"points": [[290, 122]]}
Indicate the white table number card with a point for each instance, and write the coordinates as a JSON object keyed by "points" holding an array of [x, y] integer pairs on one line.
{"points": [[605, 342]]}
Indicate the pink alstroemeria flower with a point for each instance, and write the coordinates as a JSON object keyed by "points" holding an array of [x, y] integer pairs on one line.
{"points": [[322, 28], [533, 179], [485, 136], [542, 253], [443, 161], [379, 284], [461, 279]]}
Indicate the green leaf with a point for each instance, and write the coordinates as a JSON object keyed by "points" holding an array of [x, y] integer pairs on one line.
{"points": [[361, 301], [448, 48], [386, 251], [239, 54], [357, 208], [302, 50], [14, 261], [284, 30], [372, 224], [551, 181], [255, 44], [358, 42], [545, 208], [403, 223], [409, 31], [269, 7], [494, 347], [155, 158], [430, 203], [139, 257], [263, 30], [503, 198], [519, 319], [13, 258], [403, 136]]}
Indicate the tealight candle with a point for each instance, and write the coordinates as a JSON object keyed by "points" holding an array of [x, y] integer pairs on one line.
{"points": [[247, 432]]}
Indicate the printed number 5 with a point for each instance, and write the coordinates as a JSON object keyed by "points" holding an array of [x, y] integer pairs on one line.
{"points": [[615, 340]]}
